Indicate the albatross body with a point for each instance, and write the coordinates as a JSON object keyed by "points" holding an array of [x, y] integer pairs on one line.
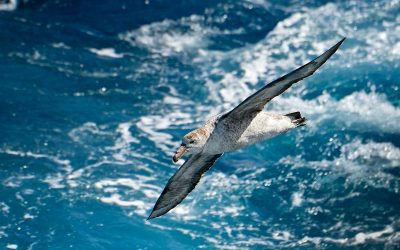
{"points": [[244, 125], [228, 135]]}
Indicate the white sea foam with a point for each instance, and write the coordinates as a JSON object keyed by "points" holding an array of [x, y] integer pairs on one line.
{"points": [[384, 235], [358, 162], [123, 142], [281, 235], [9, 5], [57, 160], [309, 32], [126, 136], [138, 184], [270, 57], [140, 187], [55, 180], [5, 209], [297, 199], [116, 199], [16, 180], [106, 52], [360, 238], [28, 216], [371, 111], [306, 31], [60, 45], [358, 151], [89, 128], [308, 25], [166, 38], [92, 135], [153, 126], [12, 246]]}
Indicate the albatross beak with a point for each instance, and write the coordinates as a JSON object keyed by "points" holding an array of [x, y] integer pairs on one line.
{"points": [[179, 153]]}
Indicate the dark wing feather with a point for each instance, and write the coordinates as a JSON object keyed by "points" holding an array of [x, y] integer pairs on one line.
{"points": [[257, 101], [182, 183]]}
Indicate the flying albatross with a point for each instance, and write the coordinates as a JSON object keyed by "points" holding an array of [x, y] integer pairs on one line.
{"points": [[246, 124]]}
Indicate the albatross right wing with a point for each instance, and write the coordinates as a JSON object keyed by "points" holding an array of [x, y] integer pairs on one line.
{"points": [[182, 183], [257, 101]]}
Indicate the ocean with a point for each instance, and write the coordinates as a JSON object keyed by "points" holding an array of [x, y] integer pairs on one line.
{"points": [[95, 97]]}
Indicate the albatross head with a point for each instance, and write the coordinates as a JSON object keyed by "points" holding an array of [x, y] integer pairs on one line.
{"points": [[193, 142]]}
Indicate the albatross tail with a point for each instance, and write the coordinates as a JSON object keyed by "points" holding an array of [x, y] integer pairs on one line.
{"points": [[297, 119]]}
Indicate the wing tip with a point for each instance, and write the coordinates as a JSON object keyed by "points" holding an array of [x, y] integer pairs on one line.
{"points": [[320, 60], [154, 214], [151, 216], [159, 210], [335, 47], [339, 43]]}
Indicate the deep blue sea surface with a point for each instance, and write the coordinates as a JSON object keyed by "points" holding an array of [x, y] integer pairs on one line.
{"points": [[96, 95]]}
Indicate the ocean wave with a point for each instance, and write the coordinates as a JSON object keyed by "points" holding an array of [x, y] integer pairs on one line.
{"points": [[293, 42], [357, 162], [171, 37], [369, 111], [299, 38]]}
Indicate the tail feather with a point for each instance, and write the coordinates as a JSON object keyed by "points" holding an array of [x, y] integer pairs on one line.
{"points": [[294, 115], [297, 119]]}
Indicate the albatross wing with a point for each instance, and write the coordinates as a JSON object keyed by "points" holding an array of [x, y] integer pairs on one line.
{"points": [[257, 101], [182, 183]]}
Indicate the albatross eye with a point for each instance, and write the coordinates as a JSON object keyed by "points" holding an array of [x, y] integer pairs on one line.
{"points": [[191, 141]]}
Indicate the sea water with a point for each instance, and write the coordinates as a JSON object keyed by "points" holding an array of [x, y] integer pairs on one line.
{"points": [[96, 95]]}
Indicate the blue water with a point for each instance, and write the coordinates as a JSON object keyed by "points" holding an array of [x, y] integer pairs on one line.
{"points": [[95, 96]]}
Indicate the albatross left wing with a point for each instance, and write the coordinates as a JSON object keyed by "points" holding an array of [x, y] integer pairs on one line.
{"points": [[182, 183], [257, 101]]}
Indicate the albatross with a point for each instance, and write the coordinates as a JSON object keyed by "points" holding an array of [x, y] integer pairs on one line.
{"points": [[244, 125]]}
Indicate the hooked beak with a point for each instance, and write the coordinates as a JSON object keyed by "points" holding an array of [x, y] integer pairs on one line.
{"points": [[180, 152]]}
